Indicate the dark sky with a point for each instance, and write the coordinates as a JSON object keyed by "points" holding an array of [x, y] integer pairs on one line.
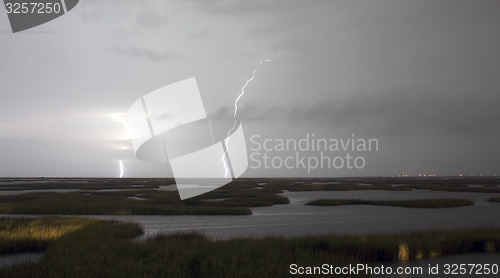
{"points": [[422, 77]]}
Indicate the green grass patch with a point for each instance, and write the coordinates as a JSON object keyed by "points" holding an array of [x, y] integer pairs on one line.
{"points": [[35, 234], [102, 250], [233, 199], [425, 203], [152, 202], [240, 194]]}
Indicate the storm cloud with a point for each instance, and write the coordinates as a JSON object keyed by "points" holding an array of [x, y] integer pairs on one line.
{"points": [[421, 76]]}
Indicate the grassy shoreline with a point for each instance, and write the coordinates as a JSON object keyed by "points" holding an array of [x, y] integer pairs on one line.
{"points": [[36, 234], [419, 203], [229, 201], [103, 249]]}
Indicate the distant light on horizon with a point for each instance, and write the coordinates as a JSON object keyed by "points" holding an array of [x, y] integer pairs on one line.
{"points": [[119, 118]]}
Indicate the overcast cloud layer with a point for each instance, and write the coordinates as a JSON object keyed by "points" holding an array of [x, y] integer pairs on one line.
{"points": [[420, 76]]}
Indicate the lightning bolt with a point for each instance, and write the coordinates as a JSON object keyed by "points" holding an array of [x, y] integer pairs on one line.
{"points": [[118, 118], [121, 168], [224, 156]]}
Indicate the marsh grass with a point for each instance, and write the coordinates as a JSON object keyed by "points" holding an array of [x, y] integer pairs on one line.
{"points": [[237, 197], [424, 203], [36, 234], [155, 202], [102, 250]]}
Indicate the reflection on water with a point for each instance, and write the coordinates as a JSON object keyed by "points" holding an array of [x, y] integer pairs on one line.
{"points": [[427, 267]]}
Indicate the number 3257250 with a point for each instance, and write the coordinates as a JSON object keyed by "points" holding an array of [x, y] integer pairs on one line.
{"points": [[32, 8]]}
